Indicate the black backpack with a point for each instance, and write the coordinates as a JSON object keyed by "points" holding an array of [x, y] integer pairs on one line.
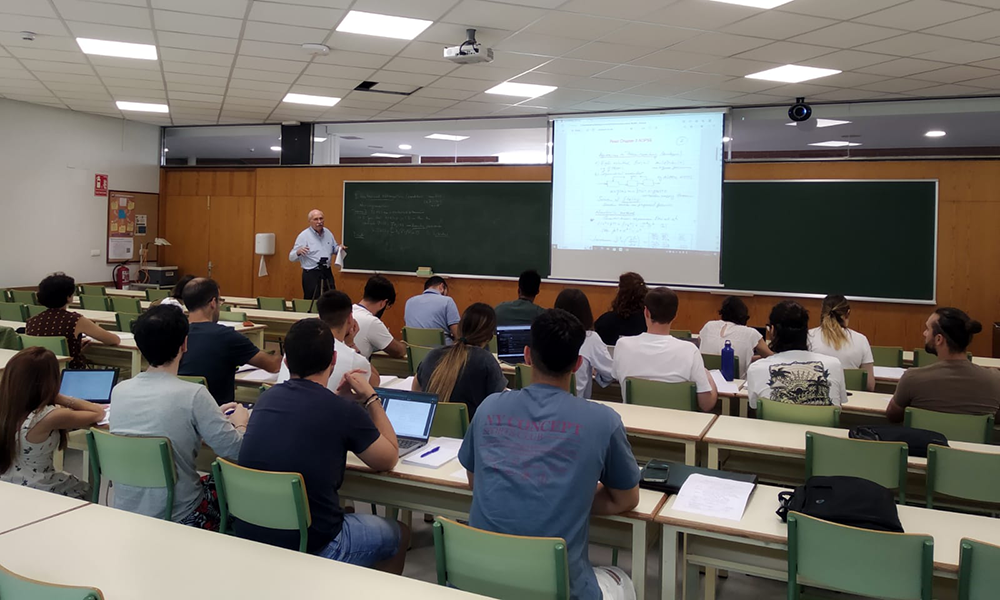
{"points": [[916, 440], [846, 500]]}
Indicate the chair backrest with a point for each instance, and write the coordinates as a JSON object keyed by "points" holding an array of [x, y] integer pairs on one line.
{"points": [[481, 562], [645, 392], [881, 462], [131, 460], [265, 303], [978, 576], [856, 379], [92, 290], [416, 355], [922, 358], [56, 343], [35, 309], [265, 498], [125, 321], [200, 380], [12, 311], [805, 414], [4, 295], [713, 362], [963, 474], [681, 334], [153, 294], [15, 586], [304, 306], [126, 305], [228, 315], [493, 345], [961, 428], [429, 338], [23, 297], [88, 302], [451, 420], [888, 356], [522, 378], [873, 564]]}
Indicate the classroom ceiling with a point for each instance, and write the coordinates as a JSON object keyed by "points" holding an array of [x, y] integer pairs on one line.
{"points": [[232, 61]]}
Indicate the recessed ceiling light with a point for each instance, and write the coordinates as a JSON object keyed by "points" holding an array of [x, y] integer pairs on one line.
{"points": [[142, 106], [276, 148], [312, 100], [166, 149], [824, 123], [935, 133], [446, 137], [318, 139], [405, 147], [521, 90], [387, 155], [793, 74], [726, 139], [836, 144], [117, 49], [756, 3], [382, 25]]}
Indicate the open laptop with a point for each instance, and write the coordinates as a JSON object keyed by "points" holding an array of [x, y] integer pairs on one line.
{"points": [[411, 415], [92, 385], [511, 340]]}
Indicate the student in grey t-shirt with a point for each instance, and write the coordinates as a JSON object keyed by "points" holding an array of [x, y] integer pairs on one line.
{"points": [[433, 309], [157, 403], [541, 460]]}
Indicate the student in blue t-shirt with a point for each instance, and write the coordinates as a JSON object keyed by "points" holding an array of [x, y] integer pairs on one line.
{"points": [[433, 309], [542, 461]]}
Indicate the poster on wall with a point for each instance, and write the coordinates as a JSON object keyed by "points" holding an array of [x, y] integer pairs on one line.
{"points": [[120, 248], [132, 226], [100, 184]]}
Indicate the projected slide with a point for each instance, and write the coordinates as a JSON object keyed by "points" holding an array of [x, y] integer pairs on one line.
{"points": [[638, 193]]}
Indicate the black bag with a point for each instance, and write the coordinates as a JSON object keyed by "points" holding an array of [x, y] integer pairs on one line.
{"points": [[846, 500], [916, 440]]}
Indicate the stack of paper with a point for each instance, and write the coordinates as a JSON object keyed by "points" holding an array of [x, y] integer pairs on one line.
{"points": [[401, 384], [725, 387], [255, 374], [387, 380], [892, 373], [713, 497], [436, 453], [233, 324]]}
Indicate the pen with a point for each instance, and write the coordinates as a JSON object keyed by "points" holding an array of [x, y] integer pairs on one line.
{"points": [[429, 452]]}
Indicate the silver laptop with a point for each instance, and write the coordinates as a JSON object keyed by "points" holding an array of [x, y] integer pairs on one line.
{"points": [[411, 415], [511, 340]]}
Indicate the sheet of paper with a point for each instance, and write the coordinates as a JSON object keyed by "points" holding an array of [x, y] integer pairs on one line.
{"points": [[262, 271], [233, 324], [387, 380], [447, 449], [893, 373], [259, 375], [125, 335], [461, 475], [120, 248], [341, 255], [401, 384], [107, 417], [713, 497], [725, 387]]}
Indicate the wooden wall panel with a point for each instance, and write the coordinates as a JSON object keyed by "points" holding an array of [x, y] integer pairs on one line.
{"points": [[231, 243], [186, 227]]}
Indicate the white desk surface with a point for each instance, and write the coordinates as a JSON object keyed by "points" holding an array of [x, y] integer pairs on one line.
{"points": [[982, 361], [130, 556], [871, 403], [6, 355], [97, 316], [662, 422], [23, 505], [276, 315], [12, 324]]}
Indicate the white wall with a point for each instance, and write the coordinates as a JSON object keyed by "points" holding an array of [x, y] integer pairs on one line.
{"points": [[50, 219]]}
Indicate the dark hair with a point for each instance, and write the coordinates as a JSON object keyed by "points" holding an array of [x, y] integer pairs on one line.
{"points": [[160, 332], [434, 281], [575, 302], [631, 292], [30, 381], [55, 290], [334, 307], [178, 291], [956, 327], [379, 288], [833, 321], [734, 310], [662, 304], [556, 338], [478, 326], [789, 326], [199, 292], [308, 347], [529, 283]]}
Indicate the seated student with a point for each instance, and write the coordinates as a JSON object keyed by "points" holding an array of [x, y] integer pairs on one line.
{"points": [[595, 361], [34, 418], [372, 334], [55, 292], [465, 372], [156, 403], [625, 317], [578, 462], [301, 426], [952, 384], [215, 351], [433, 309], [732, 326], [523, 310], [833, 338], [176, 297], [659, 356], [793, 373]]}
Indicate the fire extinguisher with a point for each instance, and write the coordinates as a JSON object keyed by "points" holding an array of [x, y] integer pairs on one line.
{"points": [[121, 276]]}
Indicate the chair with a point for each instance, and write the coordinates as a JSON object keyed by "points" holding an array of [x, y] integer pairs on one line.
{"points": [[11, 311], [962, 474], [264, 303], [4, 295], [888, 356], [451, 420], [303, 306], [194, 379], [681, 334], [91, 290], [713, 362], [978, 577], [874, 564], [264, 498], [124, 321], [493, 345], [522, 378], [881, 462], [922, 358], [645, 392], [137, 461], [414, 356], [153, 294], [963, 428], [88, 302], [804, 414], [35, 309], [126, 305], [226, 315], [856, 380], [23, 297], [482, 562], [429, 338], [56, 343], [16, 586]]}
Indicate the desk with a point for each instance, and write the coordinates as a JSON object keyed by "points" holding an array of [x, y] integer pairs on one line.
{"points": [[278, 322], [23, 506], [6, 355], [860, 403], [101, 317], [982, 361], [659, 426]]}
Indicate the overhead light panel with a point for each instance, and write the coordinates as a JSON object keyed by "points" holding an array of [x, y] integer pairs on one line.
{"points": [[756, 3], [820, 123], [447, 137], [521, 90], [726, 139], [116, 49], [401, 28], [311, 100], [836, 144], [935, 133], [276, 148], [793, 74], [405, 147], [319, 139], [387, 155], [142, 107]]}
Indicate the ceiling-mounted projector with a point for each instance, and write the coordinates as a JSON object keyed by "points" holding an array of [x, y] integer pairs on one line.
{"points": [[469, 52]]}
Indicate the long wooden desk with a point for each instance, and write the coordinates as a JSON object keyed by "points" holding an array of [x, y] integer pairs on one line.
{"points": [[650, 428], [23, 506], [6, 355], [278, 322], [861, 403]]}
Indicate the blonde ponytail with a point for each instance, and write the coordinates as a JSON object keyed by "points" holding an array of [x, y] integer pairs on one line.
{"points": [[833, 321]]}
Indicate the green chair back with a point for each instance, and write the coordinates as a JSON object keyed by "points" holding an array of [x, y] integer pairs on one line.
{"points": [[881, 462], [124, 321], [481, 562], [15, 586], [126, 305], [95, 302], [874, 564], [978, 576], [963, 474], [451, 420], [194, 379], [713, 362], [522, 378], [131, 460], [922, 358], [429, 338], [856, 379], [35, 309], [888, 356], [92, 290], [4, 295], [265, 303], [681, 334], [963, 428], [23, 297], [303, 306], [153, 294], [804, 414], [56, 343], [493, 345], [264, 498], [228, 315], [414, 356], [645, 392], [11, 311]]}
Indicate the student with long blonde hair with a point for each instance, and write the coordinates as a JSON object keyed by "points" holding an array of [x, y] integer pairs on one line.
{"points": [[833, 337]]}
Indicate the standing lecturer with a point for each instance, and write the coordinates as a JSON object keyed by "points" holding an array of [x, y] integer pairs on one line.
{"points": [[314, 250]]}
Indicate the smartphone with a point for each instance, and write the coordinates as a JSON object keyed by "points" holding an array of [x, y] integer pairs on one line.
{"points": [[656, 472]]}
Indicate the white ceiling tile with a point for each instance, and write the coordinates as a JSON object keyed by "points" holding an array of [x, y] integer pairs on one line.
{"points": [[7, 74], [273, 50], [757, 99], [699, 14], [42, 54], [27, 7], [194, 96], [370, 44], [195, 69], [595, 84], [90, 91], [573, 25], [796, 90], [978, 28], [129, 74], [187, 41], [176, 55], [902, 67], [989, 64], [352, 59], [250, 75], [252, 92], [534, 43], [680, 82], [92, 12], [910, 44], [744, 85], [338, 71], [610, 52], [415, 101], [517, 61], [476, 13], [39, 25], [412, 65], [424, 9], [217, 90], [579, 68], [779, 52], [720, 44], [848, 60], [992, 83], [716, 96], [451, 34], [40, 66], [195, 79], [920, 14], [447, 94], [648, 34], [846, 35], [622, 9], [269, 64], [74, 78], [954, 90], [179, 22], [840, 9], [328, 91], [220, 8], [848, 80], [64, 43], [777, 25], [955, 74], [411, 79], [115, 33], [305, 16], [899, 84], [327, 82], [637, 74], [284, 34], [739, 67], [966, 53], [125, 63], [485, 72], [461, 83], [674, 59]]}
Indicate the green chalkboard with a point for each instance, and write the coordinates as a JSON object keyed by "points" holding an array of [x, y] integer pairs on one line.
{"points": [[874, 239], [468, 228]]}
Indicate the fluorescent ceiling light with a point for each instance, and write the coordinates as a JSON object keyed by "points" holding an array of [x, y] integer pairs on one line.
{"points": [[446, 137], [824, 123], [142, 106], [792, 74], [312, 100], [935, 133], [836, 144], [117, 49], [318, 139], [756, 3], [405, 147], [365, 23], [726, 139], [521, 90], [276, 148], [387, 155]]}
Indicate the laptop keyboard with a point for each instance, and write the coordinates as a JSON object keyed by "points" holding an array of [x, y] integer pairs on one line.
{"points": [[405, 444]]}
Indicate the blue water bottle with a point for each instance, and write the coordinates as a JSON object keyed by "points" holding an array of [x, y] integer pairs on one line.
{"points": [[728, 360]]}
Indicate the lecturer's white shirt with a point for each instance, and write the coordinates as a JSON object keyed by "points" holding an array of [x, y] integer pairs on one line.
{"points": [[320, 246]]}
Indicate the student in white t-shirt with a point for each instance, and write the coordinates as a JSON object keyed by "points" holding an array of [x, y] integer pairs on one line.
{"points": [[373, 335], [794, 374], [833, 338], [659, 356], [732, 326], [596, 363]]}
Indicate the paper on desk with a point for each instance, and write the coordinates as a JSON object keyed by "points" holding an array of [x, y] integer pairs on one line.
{"points": [[448, 451], [400, 384], [894, 373], [387, 380], [713, 497], [341, 255], [724, 387], [233, 324], [256, 374]]}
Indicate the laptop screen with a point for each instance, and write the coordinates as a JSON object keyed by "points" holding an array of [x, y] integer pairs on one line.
{"points": [[511, 340], [89, 384], [411, 413]]}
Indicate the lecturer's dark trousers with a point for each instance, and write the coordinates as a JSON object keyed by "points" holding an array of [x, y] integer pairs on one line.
{"points": [[316, 281]]}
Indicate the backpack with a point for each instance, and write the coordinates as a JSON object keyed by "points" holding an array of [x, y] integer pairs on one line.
{"points": [[846, 500], [916, 440]]}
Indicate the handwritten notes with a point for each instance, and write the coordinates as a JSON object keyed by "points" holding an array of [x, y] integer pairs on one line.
{"points": [[713, 497]]}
